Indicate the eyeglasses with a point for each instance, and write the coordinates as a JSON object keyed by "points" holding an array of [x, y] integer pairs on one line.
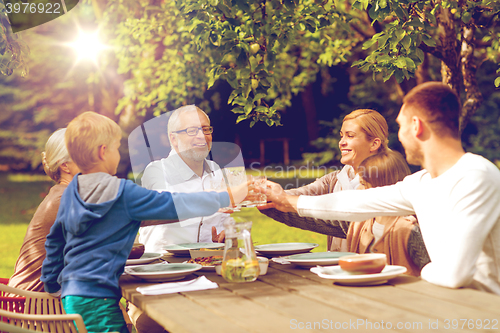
{"points": [[192, 131]]}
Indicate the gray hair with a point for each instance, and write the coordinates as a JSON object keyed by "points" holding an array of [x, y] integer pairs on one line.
{"points": [[174, 120], [55, 154]]}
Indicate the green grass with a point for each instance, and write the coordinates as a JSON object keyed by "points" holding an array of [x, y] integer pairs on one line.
{"points": [[266, 230], [20, 195]]}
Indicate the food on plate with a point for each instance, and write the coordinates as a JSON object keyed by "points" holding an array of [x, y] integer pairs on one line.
{"points": [[137, 251], [206, 261]]}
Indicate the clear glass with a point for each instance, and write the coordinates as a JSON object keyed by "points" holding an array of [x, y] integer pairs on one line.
{"points": [[240, 262]]}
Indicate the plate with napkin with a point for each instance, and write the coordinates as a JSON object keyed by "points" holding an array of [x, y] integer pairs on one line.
{"points": [[200, 283]]}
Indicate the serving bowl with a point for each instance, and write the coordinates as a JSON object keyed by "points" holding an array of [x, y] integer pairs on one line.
{"points": [[137, 251], [367, 263]]}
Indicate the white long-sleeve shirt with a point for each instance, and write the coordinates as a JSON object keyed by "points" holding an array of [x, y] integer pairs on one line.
{"points": [[174, 175], [458, 213]]}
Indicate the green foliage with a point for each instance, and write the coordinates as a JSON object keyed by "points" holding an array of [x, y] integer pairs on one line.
{"points": [[13, 50], [411, 28], [265, 50], [33, 107]]}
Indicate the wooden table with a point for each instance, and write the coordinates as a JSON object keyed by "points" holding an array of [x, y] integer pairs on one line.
{"points": [[290, 299]]}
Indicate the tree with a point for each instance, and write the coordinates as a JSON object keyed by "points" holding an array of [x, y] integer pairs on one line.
{"points": [[268, 50], [461, 34], [13, 50]]}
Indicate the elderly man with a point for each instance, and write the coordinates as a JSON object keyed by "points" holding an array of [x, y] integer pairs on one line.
{"points": [[456, 197], [186, 169]]}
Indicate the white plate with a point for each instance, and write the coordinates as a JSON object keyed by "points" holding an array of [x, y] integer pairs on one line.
{"points": [[284, 249], [317, 258], [145, 259], [162, 272], [183, 249], [340, 276]]}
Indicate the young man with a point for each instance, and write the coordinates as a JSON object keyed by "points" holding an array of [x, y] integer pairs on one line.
{"points": [[186, 169], [456, 197], [97, 222]]}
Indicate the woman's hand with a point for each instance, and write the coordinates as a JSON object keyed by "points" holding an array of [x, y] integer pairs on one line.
{"points": [[278, 198]]}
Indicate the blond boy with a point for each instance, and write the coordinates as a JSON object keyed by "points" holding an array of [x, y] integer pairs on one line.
{"points": [[97, 222]]}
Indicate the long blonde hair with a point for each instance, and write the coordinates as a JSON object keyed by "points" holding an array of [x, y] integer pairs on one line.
{"points": [[373, 124], [55, 154]]}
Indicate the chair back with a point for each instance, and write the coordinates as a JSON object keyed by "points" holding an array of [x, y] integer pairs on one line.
{"points": [[48, 311], [10, 303], [62, 323]]}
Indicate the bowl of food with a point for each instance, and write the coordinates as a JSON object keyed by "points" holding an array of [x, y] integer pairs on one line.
{"points": [[367, 263], [137, 251]]}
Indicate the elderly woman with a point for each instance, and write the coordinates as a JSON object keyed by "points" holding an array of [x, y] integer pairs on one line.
{"points": [[364, 133], [58, 166]]}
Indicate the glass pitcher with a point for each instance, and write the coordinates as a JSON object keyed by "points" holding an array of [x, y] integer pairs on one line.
{"points": [[240, 262]]}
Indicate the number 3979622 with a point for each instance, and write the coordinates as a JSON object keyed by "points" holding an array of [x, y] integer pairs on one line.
{"points": [[33, 7]]}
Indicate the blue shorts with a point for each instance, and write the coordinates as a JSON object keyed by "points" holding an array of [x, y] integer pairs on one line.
{"points": [[99, 314]]}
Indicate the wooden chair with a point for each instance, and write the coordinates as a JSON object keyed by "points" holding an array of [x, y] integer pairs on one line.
{"points": [[5, 327], [9, 303], [67, 323], [45, 313]]}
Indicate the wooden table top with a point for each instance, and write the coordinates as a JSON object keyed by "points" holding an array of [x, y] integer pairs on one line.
{"points": [[289, 299]]}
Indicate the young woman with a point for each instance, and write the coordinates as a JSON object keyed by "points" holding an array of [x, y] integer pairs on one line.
{"points": [[364, 133]]}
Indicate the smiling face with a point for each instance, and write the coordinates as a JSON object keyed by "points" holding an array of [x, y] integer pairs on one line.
{"points": [[353, 144], [413, 151], [195, 147]]}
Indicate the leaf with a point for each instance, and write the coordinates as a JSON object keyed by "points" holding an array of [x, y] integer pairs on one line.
{"points": [[369, 43], [400, 62], [400, 34], [497, 82], [410, 64], [466, 17], [406, 42], [420, 54], [429, 41], [399, 76], [248, 108], [241, 118], [232, 96]]}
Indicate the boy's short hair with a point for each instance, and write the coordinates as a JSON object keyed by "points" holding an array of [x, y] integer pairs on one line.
{"points": [[86, 134]]}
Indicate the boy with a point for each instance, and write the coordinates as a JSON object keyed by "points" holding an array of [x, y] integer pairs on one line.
{"points": [[98, 220]]}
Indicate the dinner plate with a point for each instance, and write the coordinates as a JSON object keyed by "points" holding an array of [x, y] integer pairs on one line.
{"points": [[313, 259], [183, 249], [145, 259], [162, 272], [340, 276], [284, 249]]}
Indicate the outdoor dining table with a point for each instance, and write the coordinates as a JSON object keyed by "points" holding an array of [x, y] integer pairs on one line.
{"points": [[291, 299]]}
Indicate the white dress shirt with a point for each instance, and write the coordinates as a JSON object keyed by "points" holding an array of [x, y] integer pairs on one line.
{"points": [[174, 175]]}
